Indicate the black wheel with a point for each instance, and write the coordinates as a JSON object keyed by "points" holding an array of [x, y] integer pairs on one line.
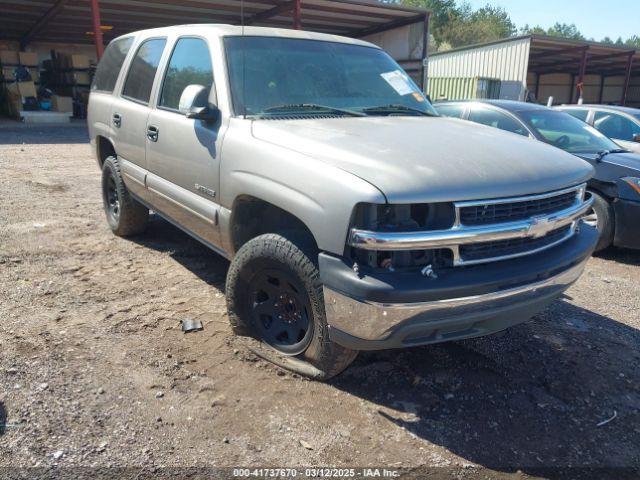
{"points": [[125, 215], [274, 294], [601, 216]]}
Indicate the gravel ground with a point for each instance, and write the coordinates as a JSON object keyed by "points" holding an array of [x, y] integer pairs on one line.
{"points": [[95, 371]]}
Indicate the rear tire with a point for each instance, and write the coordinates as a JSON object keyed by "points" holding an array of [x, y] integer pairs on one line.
{"points": [[602, 217], [274, 294], [125, 215]]}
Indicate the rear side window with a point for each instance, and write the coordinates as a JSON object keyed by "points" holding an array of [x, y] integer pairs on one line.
{"points": [[493, 118], [616, 126], [110, 65], [143, 70], [450, 110], [190, 64]]}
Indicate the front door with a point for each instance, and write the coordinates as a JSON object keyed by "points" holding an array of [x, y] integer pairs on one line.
{"points": [[184, 154], [618, 128]]}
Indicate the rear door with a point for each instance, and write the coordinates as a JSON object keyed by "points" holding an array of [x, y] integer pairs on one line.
{"points": [[131, 109], [184, 154]]}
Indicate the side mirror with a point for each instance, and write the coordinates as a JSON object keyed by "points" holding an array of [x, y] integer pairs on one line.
{"points": [[636, 138], [206, 114]]}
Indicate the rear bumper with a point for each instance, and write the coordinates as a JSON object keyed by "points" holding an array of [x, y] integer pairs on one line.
{"points": [[393, 310], [627, 224]]}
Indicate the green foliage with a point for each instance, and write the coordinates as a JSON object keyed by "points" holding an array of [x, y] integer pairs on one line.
{"points": [[456, 24]]}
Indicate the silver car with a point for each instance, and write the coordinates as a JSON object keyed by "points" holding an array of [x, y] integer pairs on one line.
{"points": [[354, 217], [620, 124]]}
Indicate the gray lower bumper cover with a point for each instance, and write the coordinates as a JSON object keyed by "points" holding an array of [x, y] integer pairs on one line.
{"points": [[369, 325]]}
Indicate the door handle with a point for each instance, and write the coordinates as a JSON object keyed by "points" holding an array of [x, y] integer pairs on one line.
{"points": [[152, 133], [117, 120]]}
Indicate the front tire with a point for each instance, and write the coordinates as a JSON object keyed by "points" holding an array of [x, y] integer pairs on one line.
{"points": [[601, 216], [125, 215], [274, 294]]}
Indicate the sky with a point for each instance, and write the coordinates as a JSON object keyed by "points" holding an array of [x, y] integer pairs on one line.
{"points": [[594, 18]]}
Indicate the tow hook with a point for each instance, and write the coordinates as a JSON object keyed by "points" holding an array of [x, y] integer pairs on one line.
{"points": [[429, 272]]}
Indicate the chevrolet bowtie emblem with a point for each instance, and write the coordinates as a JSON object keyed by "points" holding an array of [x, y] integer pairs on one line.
{"points": [[540, 226]]}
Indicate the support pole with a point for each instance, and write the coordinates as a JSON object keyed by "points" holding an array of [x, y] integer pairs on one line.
{"points": [[601, 93], [297, 13], [425, 54], [627, 78], [97, 31], [537, 88], [583, 69]]}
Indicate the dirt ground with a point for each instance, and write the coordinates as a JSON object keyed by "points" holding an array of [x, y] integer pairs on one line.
{"points": [[95, 371]]}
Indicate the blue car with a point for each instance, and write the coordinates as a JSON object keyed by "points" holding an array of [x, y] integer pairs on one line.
{"points": [[616, 184]]}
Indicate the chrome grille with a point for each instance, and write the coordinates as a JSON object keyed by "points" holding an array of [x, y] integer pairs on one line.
{"points": [[507, 212], [479, 252]]}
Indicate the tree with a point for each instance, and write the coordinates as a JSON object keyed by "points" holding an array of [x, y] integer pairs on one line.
{"points": [[563, 30]]}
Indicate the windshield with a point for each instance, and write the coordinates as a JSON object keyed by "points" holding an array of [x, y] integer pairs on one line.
{"points": [[566, 132], [269, 74]]}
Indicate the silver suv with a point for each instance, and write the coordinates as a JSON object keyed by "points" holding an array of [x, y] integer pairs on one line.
{"points": [[354, 217]]}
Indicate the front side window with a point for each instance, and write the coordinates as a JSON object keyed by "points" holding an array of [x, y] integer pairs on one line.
{"points": [[143, 70], [110, 65], [615, 126], [190, 64], [566, 132], [493, 118], [267, 73], [454, 111]]}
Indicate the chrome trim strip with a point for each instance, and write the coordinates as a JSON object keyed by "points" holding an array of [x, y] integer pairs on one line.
{"points": [[525, 198], [534, 227], [377, 320]]}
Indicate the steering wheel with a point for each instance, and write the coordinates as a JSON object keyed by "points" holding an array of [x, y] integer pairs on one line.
{"points": [[562, 141]]}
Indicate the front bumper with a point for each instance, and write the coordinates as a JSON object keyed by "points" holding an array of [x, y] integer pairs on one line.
{"points": [[627, 233], [396, 309]]}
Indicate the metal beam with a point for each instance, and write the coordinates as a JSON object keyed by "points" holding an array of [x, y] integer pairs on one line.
{"points": [[627, 77], [402, 22], [583, 69], [425, 54], [40, 24], [297, 12], [550, 53], [97, 30], [284, 7]]}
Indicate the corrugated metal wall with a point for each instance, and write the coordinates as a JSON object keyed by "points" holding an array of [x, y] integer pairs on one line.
{"points": [[505, 61]]}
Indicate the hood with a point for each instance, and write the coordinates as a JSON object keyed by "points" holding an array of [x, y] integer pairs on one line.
{"points": [[429, 159]]}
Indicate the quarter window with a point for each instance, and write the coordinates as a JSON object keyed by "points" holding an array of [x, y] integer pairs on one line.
{"points": [[616, 126], [110, 65], [143, 70], [493, 118], [190, 64]]}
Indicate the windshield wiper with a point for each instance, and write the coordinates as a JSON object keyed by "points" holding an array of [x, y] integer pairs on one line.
{"points": [[396, 107], [604, 153], [296, 107]]}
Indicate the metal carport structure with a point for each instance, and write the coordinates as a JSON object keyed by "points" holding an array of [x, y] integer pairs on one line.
{"points": [[540, 66], [97, 21]]}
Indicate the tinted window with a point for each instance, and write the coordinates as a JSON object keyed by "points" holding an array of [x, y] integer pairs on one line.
{"points": [[450, 110], [615, 126], [110, 65], [493, 118], [190, 64], [579, 114], [143, 70], [566, 132]]}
